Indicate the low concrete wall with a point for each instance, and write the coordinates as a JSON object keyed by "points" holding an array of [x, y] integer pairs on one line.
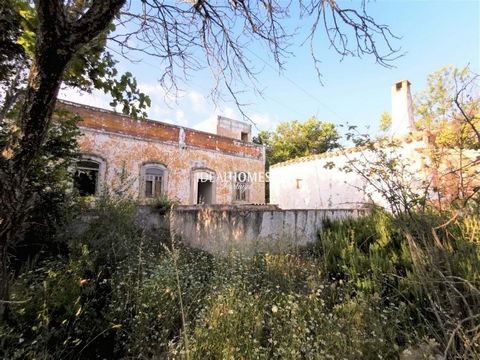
{"points": [[223, 228], [154, 222]]}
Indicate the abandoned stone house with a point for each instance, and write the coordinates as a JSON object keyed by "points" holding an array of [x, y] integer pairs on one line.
{"points": [[312, 183], [152, 159]]}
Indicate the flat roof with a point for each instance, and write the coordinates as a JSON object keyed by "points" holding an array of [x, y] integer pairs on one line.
{"points": [[114, 122]]}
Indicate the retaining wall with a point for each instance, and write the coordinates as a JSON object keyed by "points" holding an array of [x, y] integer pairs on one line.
{"points": [[223, 228]]}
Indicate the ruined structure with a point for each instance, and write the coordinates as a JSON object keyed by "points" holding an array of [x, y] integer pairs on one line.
{"points": [[320, 181], [152, 159]]}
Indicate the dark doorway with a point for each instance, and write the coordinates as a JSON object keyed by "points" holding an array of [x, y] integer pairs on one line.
{"points": [[204, 192]]}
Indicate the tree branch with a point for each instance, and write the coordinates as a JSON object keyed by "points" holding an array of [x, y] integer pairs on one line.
{"points": [[95, 20]]}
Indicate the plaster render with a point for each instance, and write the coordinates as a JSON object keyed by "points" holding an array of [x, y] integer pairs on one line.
{"points": [[250, 228], [233, 128], [126, 144], [402, 109], [446, 174], [312, 183]]}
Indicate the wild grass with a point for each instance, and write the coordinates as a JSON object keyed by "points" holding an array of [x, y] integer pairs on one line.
{"points": [[378, 287]]}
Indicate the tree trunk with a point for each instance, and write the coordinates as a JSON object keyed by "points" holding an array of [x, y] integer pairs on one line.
{"points": [[16, 201], [58, 38], [12, 215], [51, 58], [4, 280]]}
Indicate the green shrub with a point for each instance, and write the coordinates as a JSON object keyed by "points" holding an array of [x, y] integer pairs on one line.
{"points": [[148, 309], [250, 314], [428, 264], [53, 314], [370, 288], [162, 204]]}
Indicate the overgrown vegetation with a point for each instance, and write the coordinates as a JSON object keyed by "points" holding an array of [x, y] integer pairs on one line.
{"points": [[399, 284], [375, 287], [47, 43]]}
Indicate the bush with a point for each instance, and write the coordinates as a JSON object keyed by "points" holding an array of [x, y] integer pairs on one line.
{"points": [[374, 287], [250, 314], [427, 264], [50, 184]]}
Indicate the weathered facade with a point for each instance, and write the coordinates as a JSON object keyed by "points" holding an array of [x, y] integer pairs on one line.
{"points": [[150, 159], [245, 228], [251, 228]]}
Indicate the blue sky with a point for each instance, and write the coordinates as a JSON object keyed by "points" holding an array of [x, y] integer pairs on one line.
{"points": [[357, 91]]}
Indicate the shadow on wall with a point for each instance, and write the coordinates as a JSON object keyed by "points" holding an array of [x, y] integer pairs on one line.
{"points": [[219, 229]]}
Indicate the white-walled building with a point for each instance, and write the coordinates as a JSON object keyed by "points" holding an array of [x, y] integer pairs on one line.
{"points": [[321, 182]]}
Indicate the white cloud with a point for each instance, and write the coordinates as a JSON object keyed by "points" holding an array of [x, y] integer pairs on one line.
{"points": [[157, 92], [96, 98], [198, 101], [210, 123], [172, 108], [180, 118], [185, 110], [264, 121], [228, 112]]}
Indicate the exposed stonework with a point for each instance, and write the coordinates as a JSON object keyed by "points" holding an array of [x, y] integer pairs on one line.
{"points": [[125, 143]]}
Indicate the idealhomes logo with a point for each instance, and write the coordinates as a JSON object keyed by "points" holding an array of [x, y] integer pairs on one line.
{"points": [[241, 180]]}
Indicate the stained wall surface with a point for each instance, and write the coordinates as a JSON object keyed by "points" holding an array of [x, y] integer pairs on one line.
{"points": [[234, 129], [125, 145], [251, 228]]}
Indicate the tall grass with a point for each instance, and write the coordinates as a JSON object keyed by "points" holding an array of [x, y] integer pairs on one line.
{"points": [[429, 262], [371, 288]]}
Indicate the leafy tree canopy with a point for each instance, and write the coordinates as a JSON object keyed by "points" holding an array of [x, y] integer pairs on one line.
{"points": [[385, 121], [92, 67], [449, 106], [295, 139]]}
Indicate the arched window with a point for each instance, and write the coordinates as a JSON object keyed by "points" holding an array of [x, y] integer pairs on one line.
{"points": [[241, 187], [153, 180], [88, 175]]}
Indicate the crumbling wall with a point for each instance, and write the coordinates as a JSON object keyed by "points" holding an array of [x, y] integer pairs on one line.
{"points": [[126, 144], [250, 228]]}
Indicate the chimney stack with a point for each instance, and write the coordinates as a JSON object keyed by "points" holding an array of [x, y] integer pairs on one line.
{"points": [[402, 109]]}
